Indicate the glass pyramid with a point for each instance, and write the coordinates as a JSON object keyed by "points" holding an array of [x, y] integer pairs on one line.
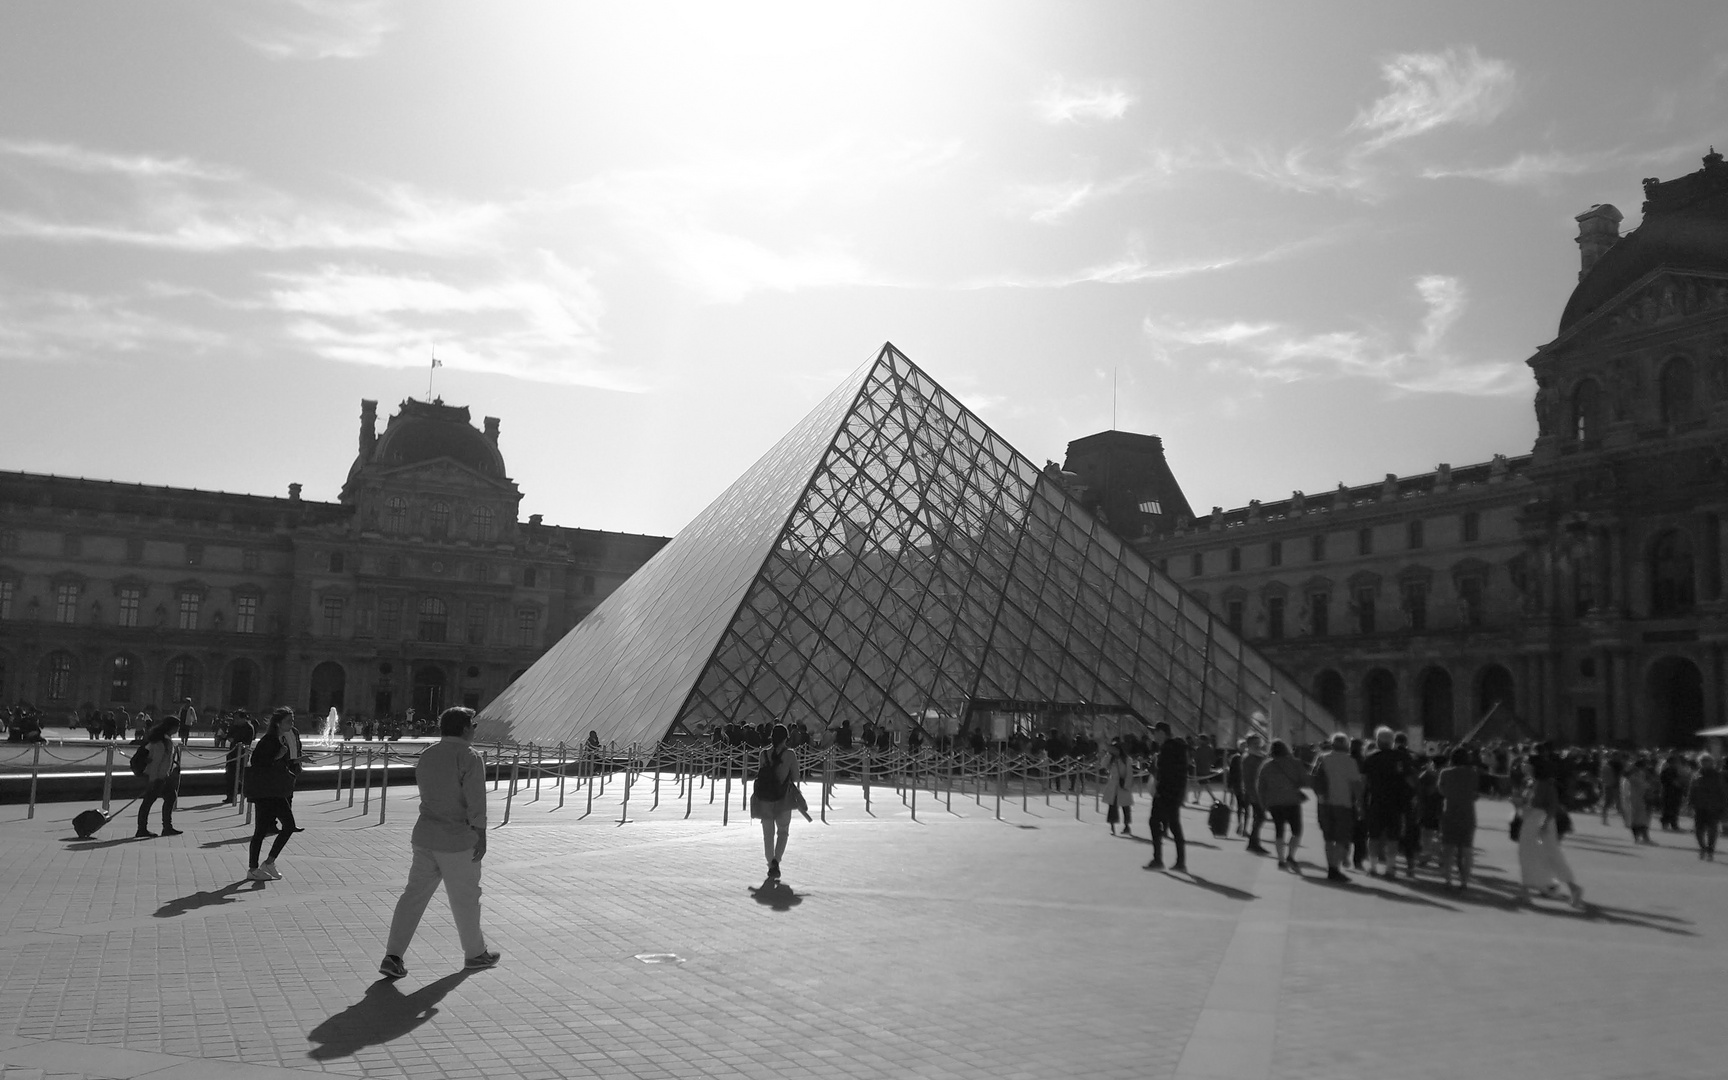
{"points": [[892, 559]]}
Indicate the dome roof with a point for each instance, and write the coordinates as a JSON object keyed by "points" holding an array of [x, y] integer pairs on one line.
{"points": [[427, 431], [1685, 227]]}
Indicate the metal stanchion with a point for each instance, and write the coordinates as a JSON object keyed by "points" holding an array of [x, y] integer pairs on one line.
{"points": [[366, 800], [866, 777], [510, 796], [561, 777], [590, 786], [624, 811], [726, 803], [35, 767], [245, 763], [539, 760], [689, 793], [338, 784], [384, 788], [1001, 786], [656, 805], [108, 779]]}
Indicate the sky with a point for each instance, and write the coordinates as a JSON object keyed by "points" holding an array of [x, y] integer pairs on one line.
{"points": [[1305, 244]]}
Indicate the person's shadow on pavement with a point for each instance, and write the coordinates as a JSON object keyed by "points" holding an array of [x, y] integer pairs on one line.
{"points": [[224, 895], [777, 895], [383, 1014]]}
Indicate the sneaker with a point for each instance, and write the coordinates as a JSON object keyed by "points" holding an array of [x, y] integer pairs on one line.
{"points": [[257, 873], [392, 967], [1155, 864], [269, 867], [169, 831], [774, 870], [143, 834], [1259, 849], [484, 960], [1282, 864], [1180, 867], [1335, 874]]}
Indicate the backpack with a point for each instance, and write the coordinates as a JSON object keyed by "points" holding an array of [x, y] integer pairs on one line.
{"points": [[768, 787], [141, 760]]}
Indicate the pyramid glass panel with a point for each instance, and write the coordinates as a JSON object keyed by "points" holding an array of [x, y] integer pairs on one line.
{"points": [[893, 559]]}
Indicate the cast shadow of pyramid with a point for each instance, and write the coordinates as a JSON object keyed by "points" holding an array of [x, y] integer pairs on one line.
{"points": [[893, 559]]}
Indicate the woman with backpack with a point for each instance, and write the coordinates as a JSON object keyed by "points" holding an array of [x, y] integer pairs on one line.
{"points": [[775, 796], [270, 780], [161, 776]]}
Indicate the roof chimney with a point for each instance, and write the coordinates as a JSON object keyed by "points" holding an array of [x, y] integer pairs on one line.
{"points": [[293, 492], [368, 429], [492, 430], [1598, 230]]}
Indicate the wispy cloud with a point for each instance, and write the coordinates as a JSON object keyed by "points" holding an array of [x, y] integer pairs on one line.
{"points": [[76, 195], [1134, 267], [1420, 362], [1063, 102], [68, 327], [1536, 168], [1431, 90], [540, 321], [318, 29], [82, 160], [1052, 203]]}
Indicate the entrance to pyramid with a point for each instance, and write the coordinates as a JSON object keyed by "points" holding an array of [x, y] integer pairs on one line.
{"points": [[892, 558], [1001, 720]]}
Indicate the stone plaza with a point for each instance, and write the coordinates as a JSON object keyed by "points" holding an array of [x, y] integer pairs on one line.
{"points": [[976, 940]]}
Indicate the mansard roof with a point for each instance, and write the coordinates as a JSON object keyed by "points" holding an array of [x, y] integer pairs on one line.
{"points": [[429, 430]]}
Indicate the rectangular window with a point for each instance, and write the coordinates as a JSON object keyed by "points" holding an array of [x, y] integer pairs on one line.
{"points": [[1275, 617], [189, 610], [65, 603], [194, 554], [1416, 604], [1317, 548], [249, 560], [1320, 614], [6, 591], [1365, 610], [1470, 598], [1413, 533], [130, 600], [476, 624], [1233, 616], [1275, 553], [1472, 527], [1364, 541], [389, 618], [1235, 559], [527, 628], [529, 577], [333, 616], [1196, 564], [246, 614]]}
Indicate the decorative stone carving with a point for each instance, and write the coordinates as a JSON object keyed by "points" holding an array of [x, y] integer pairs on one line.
{"points": [[1547, 407]]}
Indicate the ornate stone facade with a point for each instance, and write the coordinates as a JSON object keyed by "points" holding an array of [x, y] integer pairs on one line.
{"points": [[1580, 586], [418, 588]]}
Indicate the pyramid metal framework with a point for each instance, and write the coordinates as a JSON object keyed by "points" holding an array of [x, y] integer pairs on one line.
{"points": [[892, 559]]}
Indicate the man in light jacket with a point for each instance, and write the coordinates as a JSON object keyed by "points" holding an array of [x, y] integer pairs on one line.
{"points": [[449, 841]]}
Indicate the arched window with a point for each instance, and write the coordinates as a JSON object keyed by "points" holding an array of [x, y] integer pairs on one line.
{"points": [[120, 674], [440, 520], [434, 619], [1679, 401], [1671, 591], [60, 675], [1586, 403], [482, 523], [396, 514]]}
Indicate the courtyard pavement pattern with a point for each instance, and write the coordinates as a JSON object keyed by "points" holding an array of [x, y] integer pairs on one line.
{"points": [[956, 945]]}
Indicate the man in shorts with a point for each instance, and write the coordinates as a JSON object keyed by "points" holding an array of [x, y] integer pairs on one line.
{"points": [[1338, 784]]}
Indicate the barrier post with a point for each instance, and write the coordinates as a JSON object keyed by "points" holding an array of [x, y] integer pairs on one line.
{"points": [[384, 787], [510, 796], [914, 786], [624, 810], [35, 767], [827, 785], [726, 803], [108, 779], [1023, 777], [590, 786], [245, 762], [866, 776], [656, 805], [366, 802], [561, 777], [689, 795], [539, 756], [338, 784], [1001, 785]]}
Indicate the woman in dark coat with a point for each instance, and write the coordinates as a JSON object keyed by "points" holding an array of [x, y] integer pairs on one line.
{"points": [[270, 785]]}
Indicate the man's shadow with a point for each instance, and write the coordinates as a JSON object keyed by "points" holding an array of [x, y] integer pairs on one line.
{"points": [[385, 1013], [777, 895], [224, 895]]}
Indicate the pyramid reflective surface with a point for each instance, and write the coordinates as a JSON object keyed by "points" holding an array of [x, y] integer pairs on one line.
{"points": [[892, 558]]}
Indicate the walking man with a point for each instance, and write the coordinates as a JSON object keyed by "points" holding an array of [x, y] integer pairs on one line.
{"points": [[449, 841], [1170, 777], [1338, 783]]}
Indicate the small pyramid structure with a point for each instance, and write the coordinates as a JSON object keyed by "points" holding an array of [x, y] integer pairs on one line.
{"points": [[893, 560]]}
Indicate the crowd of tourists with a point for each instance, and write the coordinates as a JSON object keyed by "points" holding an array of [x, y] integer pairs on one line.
{"points": [[1380, 802]]}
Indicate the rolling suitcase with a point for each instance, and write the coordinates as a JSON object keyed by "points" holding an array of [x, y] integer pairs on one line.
{"points": [[1218, 819]]}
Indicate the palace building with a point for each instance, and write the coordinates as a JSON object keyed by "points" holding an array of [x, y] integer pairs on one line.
{"points": [[1576, 590], [418, 588]]}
